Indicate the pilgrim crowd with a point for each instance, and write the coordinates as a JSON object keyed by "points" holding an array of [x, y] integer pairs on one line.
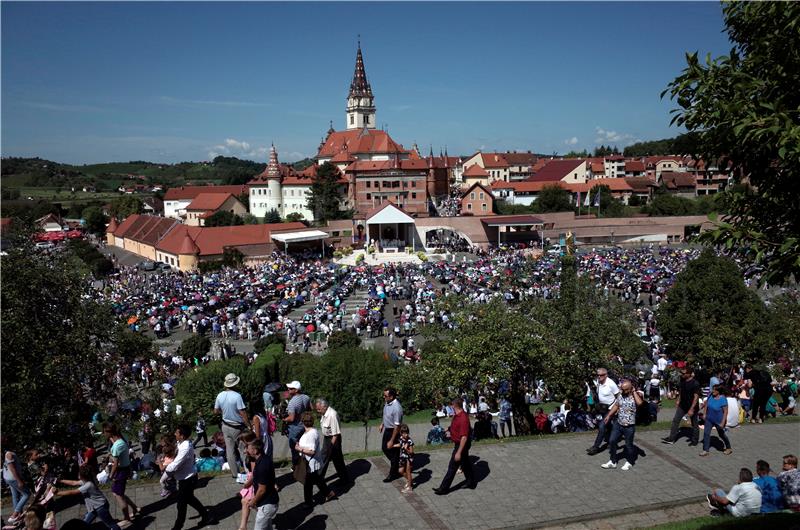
{"points": [[399, 299]]}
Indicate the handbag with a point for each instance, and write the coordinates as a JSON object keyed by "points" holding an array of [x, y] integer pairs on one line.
{"points": [[301, 470]]}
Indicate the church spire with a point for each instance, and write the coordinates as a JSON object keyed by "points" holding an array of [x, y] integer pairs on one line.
{"points": [[273, 168], [359, 87], [360, 101]]}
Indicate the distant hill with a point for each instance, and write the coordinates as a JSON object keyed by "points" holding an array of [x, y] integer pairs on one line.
{"points": [[40, 173], [683, 144]]}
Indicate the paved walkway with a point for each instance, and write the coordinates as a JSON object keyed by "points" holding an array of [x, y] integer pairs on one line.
{"points": [[538, 483]]}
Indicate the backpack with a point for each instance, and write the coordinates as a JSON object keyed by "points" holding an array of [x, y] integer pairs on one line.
{"points": [[272, 423]]}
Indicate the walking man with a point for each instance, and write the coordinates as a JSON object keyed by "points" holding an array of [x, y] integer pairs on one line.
{"points": [[120, 470], [184, 471], [624, 413], [688, 397], [607, 392], [460, 433], [230, 405], [332, 441], [265, 490], [390, 427], [298, 404]]}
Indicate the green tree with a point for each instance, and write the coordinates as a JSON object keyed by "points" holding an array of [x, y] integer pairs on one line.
{"points": [[294, 217], [743, 109], [224, 218], [324, 197], [95, 220], [272, 217], [58, 348], [122, 207], [554, 198], [712, 318], [195, 347]]}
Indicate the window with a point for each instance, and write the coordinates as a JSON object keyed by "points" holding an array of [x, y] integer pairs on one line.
{"points": [[472, 196], [575, 176], [413, 183], [366, 119], [352, 119], [413, 195], [369, 196], [469, 206], [483, 207], [377, 184], [480, 195], [368, 184]]}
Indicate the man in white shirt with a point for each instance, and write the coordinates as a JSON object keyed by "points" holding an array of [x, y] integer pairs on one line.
{"points": [[607, 392], [744, 498], [332, 440], [733, 412], [183, 469]]}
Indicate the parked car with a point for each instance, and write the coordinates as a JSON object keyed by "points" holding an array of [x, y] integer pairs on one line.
{"points": [[45, 244], [146, 265]]}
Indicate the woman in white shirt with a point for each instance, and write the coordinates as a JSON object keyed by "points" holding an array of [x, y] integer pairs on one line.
{"points": [[309, 447]]}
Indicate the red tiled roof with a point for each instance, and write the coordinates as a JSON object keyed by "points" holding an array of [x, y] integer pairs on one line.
{"points": [[500, 220], [211, 241], [675, 180], [148, 229], [359, 141], [475, 171], [188, 246], [598, 167], [520, 159], [343, 156], [556, 170], [209, 201], [641, 184], [494, 160], [634, 165], [615, 184], [112, 226], [126, 224], [190, 192], [477, 185]]}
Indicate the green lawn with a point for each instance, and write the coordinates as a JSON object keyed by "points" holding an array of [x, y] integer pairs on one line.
{"points": [[774, 520]]}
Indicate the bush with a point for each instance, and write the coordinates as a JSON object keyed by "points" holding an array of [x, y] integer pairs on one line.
{"points": [[195, 347], [262, 343], [343, 339], [197, 390], [209, 266], [337, 254], [422, 256], [360, 258]]}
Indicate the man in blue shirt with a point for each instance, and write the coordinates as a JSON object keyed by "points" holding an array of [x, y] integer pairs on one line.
{"points": [[771, 498]]}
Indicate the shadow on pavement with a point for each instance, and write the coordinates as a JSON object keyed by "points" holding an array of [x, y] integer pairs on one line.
{"points": [[318, 521], [422, 477], [421, 460], [296, 516], [228, 507], [480, 469]]}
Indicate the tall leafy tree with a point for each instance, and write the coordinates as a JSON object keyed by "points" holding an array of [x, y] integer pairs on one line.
{"points": [[554, 198], [126, 205], [743, 109], [711, 317], [272, 217], [58, 349], [324, 197], [95, 219], [224, 218]]}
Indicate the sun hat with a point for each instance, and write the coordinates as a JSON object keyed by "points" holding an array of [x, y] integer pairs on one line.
{"points": [[231, 380], [294, 384]]}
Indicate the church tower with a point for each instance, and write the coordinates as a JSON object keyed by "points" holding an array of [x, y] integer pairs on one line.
{"points": [[360, 101]]}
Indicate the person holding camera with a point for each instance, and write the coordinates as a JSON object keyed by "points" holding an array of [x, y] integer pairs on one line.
{"points": [[623, 411]]}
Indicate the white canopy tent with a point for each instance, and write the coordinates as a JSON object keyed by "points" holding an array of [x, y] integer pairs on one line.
{"points": [[298, 237], [401, 225]]}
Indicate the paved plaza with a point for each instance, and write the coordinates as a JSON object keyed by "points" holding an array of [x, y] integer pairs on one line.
{"points": [[546, 482]]}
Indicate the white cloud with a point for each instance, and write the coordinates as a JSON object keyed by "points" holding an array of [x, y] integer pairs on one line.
{"points": [[244, 149], [572, 141], [606, 136]]}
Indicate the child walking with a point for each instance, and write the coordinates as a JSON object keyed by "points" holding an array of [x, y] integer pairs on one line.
{"points": [[247, 491], [169, 450], [406, 446], [96, 503]]}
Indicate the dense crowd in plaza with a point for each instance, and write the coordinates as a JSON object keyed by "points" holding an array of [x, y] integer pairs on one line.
{"points": [[253, 303]]}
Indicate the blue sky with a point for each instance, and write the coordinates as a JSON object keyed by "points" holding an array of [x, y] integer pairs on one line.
{"points": [[168, 82]]}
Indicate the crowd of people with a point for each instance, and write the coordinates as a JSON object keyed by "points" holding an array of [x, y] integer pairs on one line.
{"points": [[253, 303]]}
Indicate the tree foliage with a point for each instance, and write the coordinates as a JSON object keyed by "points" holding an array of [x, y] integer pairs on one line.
{"points": [[554, 198], [95, 219], [683, 144], [224, 218], [711, 317], [325, 196], [195, 347], [743, 109], [58, 347], [124, 206], [272, 217]]}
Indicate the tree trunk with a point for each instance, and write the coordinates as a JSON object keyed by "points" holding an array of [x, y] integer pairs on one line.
{"points": [[523, 419]]}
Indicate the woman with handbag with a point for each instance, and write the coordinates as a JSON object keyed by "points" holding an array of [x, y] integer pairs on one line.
{"points": [[309, 447]]}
